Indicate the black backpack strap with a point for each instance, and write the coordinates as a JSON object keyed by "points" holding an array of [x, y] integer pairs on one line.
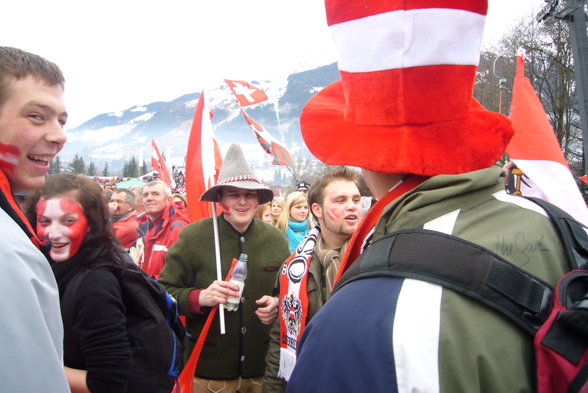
{"points": [[462, 266], [69, 295], [71, 290], [571, 233]]}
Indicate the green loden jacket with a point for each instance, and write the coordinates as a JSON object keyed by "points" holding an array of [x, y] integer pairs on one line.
{"points": [[190, 265]]}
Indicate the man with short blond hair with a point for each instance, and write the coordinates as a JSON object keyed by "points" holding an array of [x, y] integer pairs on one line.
{"points": [[335, 202], [32, 117]]}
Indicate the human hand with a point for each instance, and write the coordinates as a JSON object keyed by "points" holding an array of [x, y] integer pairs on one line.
{"points": [[507, 168], [268, 313], [217, 292]]}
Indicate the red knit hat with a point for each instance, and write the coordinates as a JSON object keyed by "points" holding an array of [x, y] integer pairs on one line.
{"points": [[404, 102]]}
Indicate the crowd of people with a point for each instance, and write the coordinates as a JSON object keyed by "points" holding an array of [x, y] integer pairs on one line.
{"points": [[290, 331]]}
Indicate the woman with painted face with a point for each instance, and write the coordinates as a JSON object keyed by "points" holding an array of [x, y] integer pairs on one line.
{"points": [[72, 212], [295, 220]]}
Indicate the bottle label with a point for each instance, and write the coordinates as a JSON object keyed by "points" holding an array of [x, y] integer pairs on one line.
{"points": [[233, 302]]}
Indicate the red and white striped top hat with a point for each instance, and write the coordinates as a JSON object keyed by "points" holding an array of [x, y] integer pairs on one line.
{"points": [[404, 102]]}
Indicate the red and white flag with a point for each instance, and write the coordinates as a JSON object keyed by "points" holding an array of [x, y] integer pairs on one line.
{"points": [[536, 151], [203, 161], [158, 164], [246, 93], [280, 154]]}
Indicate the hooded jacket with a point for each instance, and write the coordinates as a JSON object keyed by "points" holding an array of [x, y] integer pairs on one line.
{"points": [[399, 335], [125, 229], [161, 234]]}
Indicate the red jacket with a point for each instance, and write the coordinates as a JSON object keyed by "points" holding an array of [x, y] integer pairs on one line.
{"points": [[161, 235], [125, 229]]}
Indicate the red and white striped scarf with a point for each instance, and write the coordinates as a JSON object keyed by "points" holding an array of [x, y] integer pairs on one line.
{"points": [[294, 301]]}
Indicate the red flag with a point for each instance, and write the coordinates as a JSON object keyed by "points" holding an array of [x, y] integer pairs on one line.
{"points": [[246, 93], [584, 178], [536, 151], [158, 164], [280, 154], [203, 161]]}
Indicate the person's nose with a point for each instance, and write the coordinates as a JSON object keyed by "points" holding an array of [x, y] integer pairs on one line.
{"points": [[52, 232], [56, 135]]}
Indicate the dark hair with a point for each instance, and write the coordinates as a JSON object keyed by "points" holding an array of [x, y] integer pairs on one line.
{"points": [[18, 64], [100, 240], [332, 173]]}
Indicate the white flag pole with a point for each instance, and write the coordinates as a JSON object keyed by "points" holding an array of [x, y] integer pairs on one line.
{"points": [[221, 308]]}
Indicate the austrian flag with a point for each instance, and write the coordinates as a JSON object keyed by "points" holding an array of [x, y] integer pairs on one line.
{"points": [[535, 150], [158, 164], [246, 93], [268, 143]]}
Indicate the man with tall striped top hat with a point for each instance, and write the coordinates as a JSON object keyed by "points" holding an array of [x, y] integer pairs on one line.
{"points": [[403, 111]]}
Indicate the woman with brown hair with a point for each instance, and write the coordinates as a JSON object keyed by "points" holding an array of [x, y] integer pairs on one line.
{"points": [[72, 212]]}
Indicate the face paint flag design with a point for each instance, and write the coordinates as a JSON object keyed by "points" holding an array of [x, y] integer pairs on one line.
{"points": [[203, 161], [158, 164], [269, 143], [536, 151], [9, 155], [246, 93]]}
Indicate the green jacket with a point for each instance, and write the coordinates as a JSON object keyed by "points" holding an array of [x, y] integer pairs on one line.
{"points": [[190, 265], [417, 336], [480, 350], [271, 382]]}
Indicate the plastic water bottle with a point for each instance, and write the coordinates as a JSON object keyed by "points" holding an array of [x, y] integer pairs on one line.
{"points": [[238, 278]]}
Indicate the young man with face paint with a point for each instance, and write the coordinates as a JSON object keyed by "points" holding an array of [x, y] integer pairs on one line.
{"points": [[335, 202], [235, 360], [32, 116], [165, 220]]}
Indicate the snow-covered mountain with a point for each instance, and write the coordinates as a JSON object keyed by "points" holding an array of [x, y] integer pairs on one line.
{"points": [[116, 137]]}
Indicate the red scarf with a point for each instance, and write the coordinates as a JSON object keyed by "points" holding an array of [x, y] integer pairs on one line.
{"points": [[362, 236], [293, 301], [17, 215]]}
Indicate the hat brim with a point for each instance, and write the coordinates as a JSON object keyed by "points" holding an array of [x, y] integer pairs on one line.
{"points": [[449, 147], [265, 195]]}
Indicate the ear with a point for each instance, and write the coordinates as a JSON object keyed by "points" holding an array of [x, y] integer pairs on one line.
{"points": [[316, 210]]}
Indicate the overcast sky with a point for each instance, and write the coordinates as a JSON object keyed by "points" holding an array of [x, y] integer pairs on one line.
{"points": [[116, 54]]}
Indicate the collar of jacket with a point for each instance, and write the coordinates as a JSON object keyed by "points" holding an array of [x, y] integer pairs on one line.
{"points": [[9, 205], [172, 211]]}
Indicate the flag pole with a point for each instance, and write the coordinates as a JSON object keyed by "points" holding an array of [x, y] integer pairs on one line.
{"points": [[221, 310]]}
